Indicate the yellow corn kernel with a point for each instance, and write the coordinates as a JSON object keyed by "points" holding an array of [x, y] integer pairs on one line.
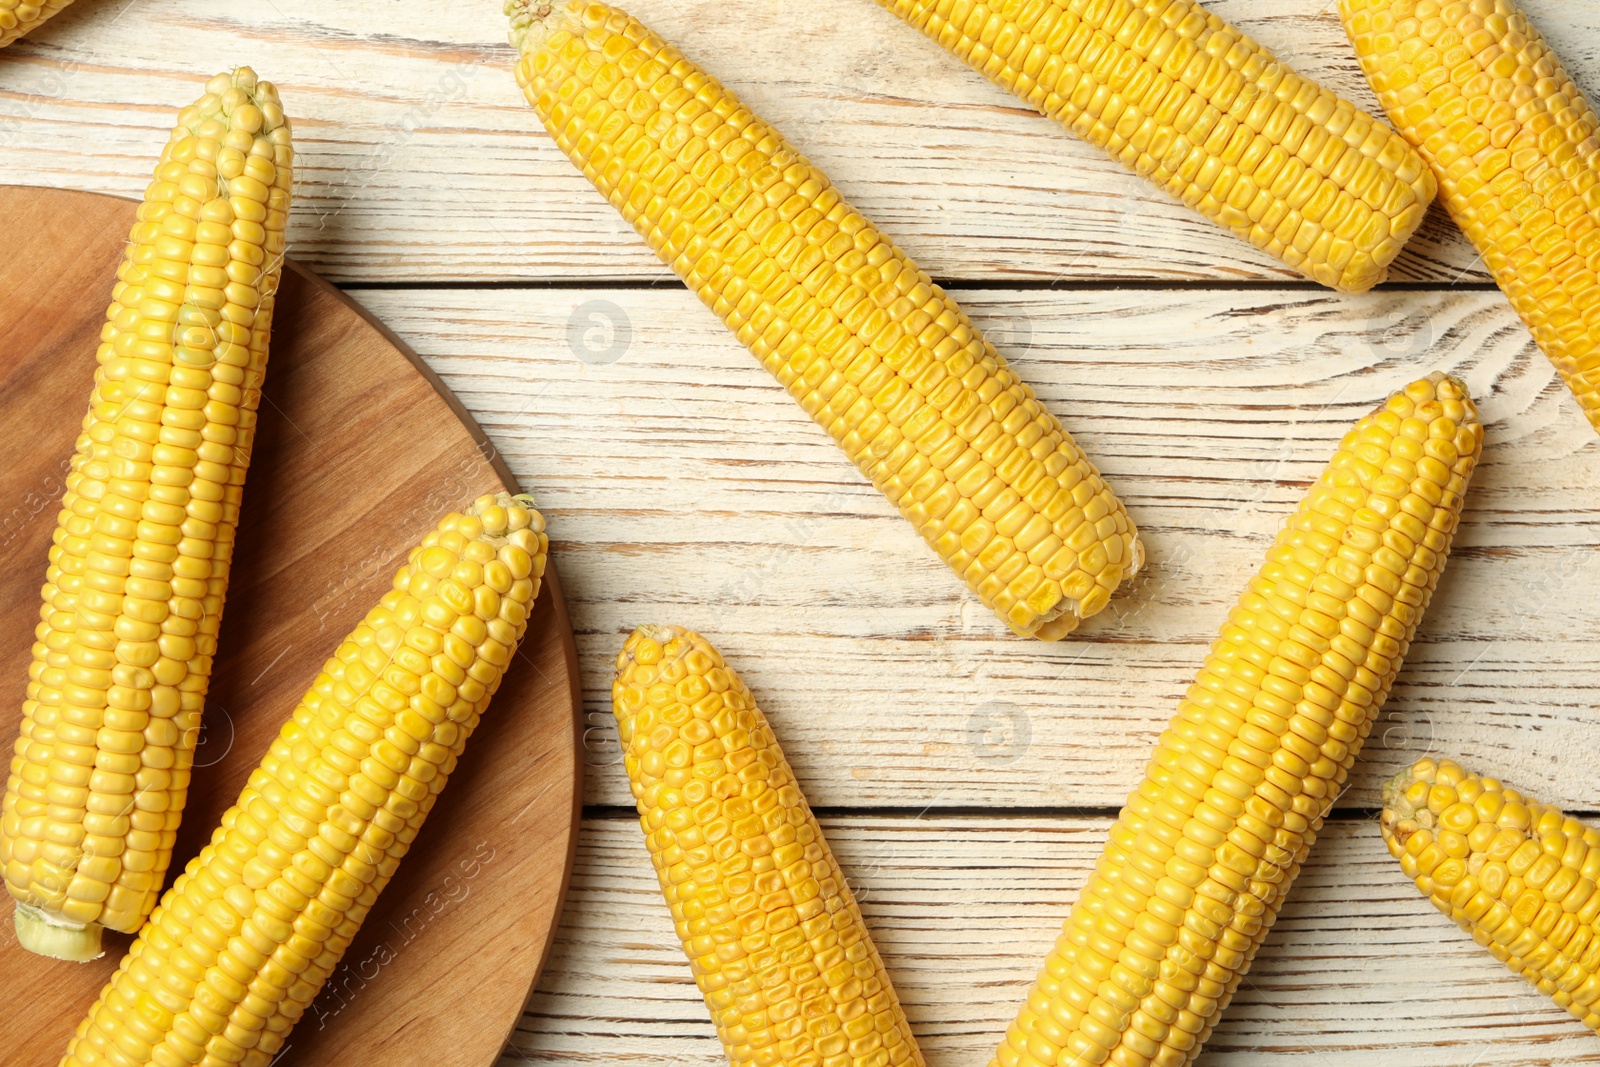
{"points": [[869, 346], [1516, 150], [1523, 885], [267, 908], [771, 928], [1190, 103], [1241, 780], [19, 17], [134, 589]]}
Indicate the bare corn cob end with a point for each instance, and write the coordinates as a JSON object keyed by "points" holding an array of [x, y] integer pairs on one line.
{"points": [[20, 17], [1517, 875], [869, 346], [772, 931], [138, 570], [1199, 109], [1203, 854], [246, 936], [1516, 148]]}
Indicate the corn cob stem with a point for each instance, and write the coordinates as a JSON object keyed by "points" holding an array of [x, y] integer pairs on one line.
{"points": [[139, 567], [1516, 149], [20, 17], [772, 931], [1201, 857], [1189, 102], [870, 347], [45, 934], [246, 936], [1517, 875]]}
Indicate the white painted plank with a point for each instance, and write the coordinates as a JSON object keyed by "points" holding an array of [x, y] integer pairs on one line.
{"points": [[1359, 970], [419, 161], [683, 486]]}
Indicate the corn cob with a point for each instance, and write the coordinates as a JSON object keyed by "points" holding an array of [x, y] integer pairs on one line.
{"points": [[1517, 875], [249, 932], [20, 17], [870, 347], [1516, 149], [772, 932], [1202, 855], [139, 567], [1189, 102]]}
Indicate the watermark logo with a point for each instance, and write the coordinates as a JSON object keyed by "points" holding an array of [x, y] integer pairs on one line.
{"points": [[999, 732], [1399, 331], [1010, 331], [599, 332], [1411, 738], [213, 737], [601, 747]]}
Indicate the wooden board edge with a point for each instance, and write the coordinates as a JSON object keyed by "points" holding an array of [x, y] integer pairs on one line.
{"points": [[569, 649], [491, 454]]}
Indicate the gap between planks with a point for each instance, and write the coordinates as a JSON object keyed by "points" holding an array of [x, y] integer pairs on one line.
{"points": [[951, 285]]}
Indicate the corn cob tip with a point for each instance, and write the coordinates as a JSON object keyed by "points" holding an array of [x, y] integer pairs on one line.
{"points": [[642, 657], [1430, 398], [1446, 386], [244, 102], [641, 662], [532, 21], [660, 633], [1409, 800], [1396, 820], [647, 644], [43, 935], [503, 514], [1515, 873]]}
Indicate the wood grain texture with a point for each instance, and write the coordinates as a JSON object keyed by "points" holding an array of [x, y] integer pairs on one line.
{"points": [[1359, 969], [356, 456], [684, 486], [417, 160]]}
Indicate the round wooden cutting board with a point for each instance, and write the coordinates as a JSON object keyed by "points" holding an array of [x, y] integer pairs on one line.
{"points": [[360, 450]]}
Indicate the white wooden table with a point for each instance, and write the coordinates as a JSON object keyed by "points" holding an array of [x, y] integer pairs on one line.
{"points": [[966, 777]]}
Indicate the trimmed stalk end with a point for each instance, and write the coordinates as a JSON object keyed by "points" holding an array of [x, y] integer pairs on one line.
{"points": [[45, 935], [530, 21]]}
